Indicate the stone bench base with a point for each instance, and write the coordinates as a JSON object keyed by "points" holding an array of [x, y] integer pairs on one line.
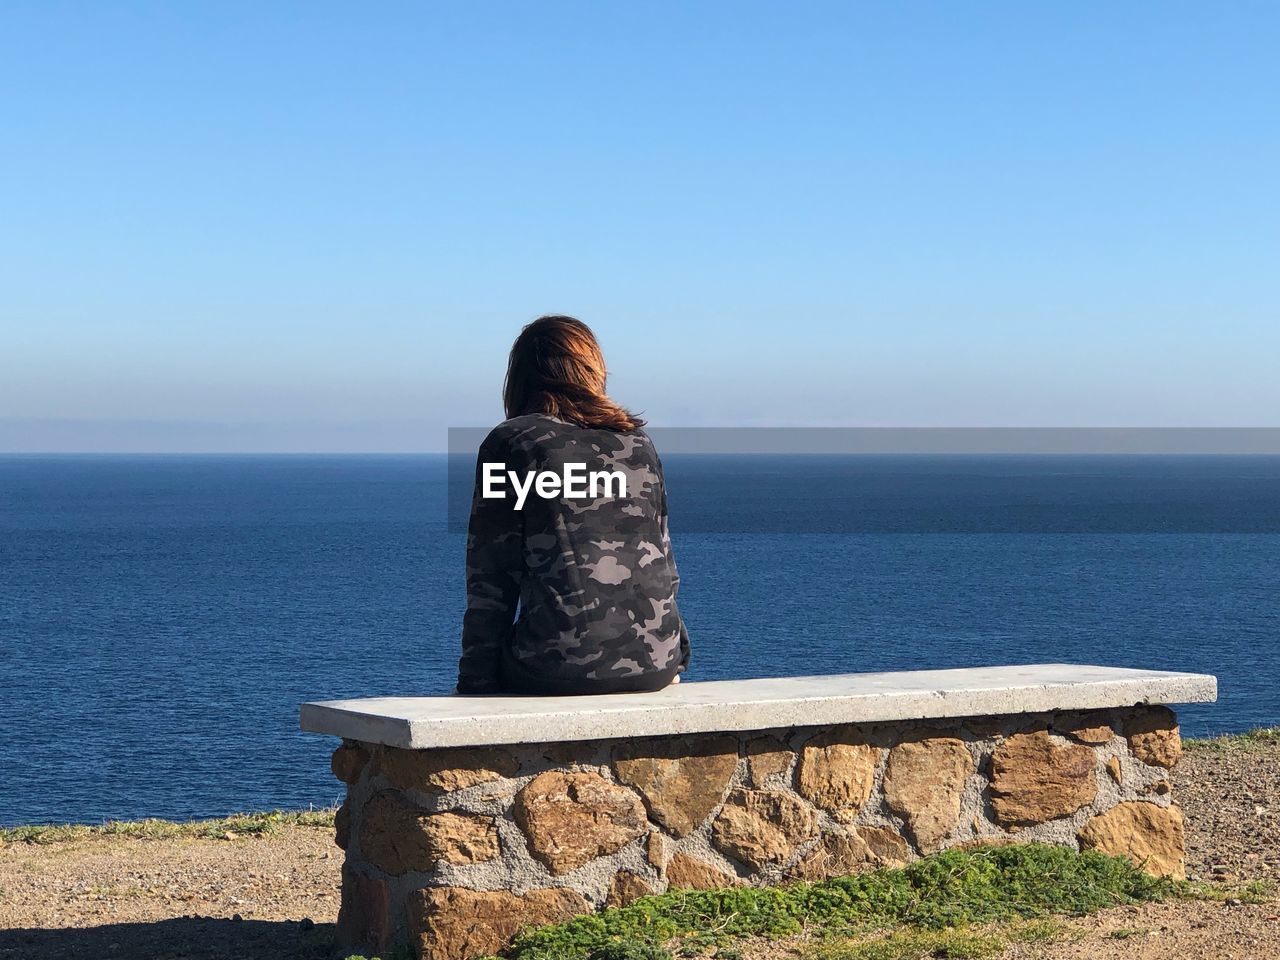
{"points": [[454, 849]]}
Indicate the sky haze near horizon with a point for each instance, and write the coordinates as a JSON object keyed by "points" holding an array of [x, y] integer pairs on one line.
{"points": [[318, 227]]}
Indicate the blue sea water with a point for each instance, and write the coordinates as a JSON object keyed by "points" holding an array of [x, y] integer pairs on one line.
{"points": [[161, 618]]}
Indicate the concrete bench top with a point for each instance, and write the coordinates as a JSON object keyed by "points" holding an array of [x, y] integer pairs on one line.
{"points": [[736, 705]]}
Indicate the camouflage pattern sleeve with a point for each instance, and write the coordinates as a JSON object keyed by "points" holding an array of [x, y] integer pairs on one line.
{"points": [[495, 567]]}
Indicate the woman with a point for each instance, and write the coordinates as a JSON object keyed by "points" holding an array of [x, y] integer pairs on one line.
{"points": [[568, 594]]}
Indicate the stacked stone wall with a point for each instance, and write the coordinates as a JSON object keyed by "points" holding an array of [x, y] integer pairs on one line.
{"points": [[454, 850]]}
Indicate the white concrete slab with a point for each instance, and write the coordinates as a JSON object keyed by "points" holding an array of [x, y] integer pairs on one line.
{"points": [[735, 705]]}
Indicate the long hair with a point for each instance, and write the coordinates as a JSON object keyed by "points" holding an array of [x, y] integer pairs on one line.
{"points": [[556, 368]]}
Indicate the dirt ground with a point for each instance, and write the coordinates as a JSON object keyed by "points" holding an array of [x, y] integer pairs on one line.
{"points": [[1168, 931], [275, 897], [250, 898], [1231, 798]]}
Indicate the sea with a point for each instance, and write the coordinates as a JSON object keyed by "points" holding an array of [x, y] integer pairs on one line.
{"points": [[162, 617]]}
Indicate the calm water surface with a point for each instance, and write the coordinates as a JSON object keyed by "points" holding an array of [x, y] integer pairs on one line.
{"points": [[161, 618]]}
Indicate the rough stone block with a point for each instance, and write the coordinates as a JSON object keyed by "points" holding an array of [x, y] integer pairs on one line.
{"points": [[767, 757], [682, 780], [625, 887], [397, 837], [685, 872], [342, 826], [1151, 836], [763, 827], [923, 783], [657, 850], [1085, 728], [443, 771], [460, 838], [1153, 736], [348, 762], [392, 834], [837, 769], [853, 851], [571, 819], [1115, 770], [453, 923], [1034, 779]]}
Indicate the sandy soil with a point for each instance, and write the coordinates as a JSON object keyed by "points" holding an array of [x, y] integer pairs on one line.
{"points": [[248, 898], [1231, 798], [276, 897], [1168, 931]]}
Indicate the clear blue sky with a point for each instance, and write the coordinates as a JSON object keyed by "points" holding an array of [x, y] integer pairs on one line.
{"points": [[319, 225]]}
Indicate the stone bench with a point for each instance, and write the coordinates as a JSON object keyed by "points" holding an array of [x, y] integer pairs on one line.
{"points": [[467, 818]]}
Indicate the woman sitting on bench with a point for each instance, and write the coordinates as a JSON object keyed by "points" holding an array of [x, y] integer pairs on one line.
{"points": [[571, 584]]}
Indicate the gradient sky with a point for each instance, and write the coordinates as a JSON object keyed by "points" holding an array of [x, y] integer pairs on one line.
{"points": [[318, 226]]}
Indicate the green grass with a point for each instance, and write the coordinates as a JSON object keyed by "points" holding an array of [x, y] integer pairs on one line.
{"points": [[951, 943], [245, 824], [1255, 739], [956, 905], [1255, 891], [932, 904]]}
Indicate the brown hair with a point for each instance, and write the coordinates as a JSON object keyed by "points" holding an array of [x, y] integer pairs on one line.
{"points": [[556, 368]]}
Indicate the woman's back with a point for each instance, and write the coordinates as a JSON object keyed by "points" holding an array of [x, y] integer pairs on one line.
{"points": [[593, 575]]}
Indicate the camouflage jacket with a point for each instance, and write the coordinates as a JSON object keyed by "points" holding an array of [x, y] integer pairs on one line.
{"points": [[575, 590]]}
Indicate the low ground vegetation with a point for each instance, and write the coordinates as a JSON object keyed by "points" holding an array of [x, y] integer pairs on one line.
{"points": [[222, 828], [959, 904], [1257, 739]]}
